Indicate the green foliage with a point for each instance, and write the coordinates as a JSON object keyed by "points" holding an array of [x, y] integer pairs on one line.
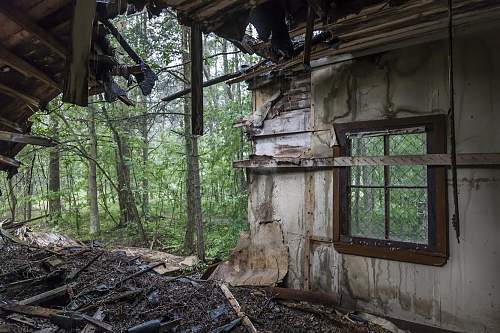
{"points": [[157, 128]]}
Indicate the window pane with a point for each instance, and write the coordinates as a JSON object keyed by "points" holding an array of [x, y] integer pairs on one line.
{"points": [[408, 175], [367, 212], [408, 215], [408, 144], [367, 175], [367, 146]]}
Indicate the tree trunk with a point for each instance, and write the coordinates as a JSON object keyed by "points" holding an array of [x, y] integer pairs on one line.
{"points": [[190, 219], [28, 203], [95, 226], [12, 198], [126, 200], [54, 178]]}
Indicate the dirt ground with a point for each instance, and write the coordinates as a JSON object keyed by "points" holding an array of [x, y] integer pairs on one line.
{"points": [[126, 298]]}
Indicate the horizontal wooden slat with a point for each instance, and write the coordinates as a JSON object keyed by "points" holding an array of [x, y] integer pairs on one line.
{"points": [[27, 139], [9, 161], [32, 100], [463, 160]]}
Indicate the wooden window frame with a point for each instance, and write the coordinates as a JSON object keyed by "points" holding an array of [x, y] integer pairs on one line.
{"points": [[436, 252]]}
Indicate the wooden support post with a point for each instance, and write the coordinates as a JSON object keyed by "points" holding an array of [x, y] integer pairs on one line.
{"points": [[18, 94], [23, 20], [196, 80], [27, 139], [308, 38], [25, 68]]}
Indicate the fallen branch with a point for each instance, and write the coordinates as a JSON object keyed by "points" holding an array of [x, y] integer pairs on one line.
{"points": [[237, 308]]}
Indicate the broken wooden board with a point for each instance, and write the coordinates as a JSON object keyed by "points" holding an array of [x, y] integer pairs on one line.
{"points": [[48, 239], [172, 263], [259, 259]]}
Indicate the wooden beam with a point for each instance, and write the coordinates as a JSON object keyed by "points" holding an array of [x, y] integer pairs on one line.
{"points": [[309, 36], [9, 161], [21, 19], [27, 139], [47, 296], [76, 82], [25, 68], [463, 160], [18, 94], [196, 80], [206, 84], [11, 124]]}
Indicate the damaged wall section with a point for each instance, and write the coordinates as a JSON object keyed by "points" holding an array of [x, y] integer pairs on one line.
{"points": [[463, 295]]}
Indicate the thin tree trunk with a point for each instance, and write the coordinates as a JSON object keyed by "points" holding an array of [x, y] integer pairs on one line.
{"points": [[12, 198], [126, 200], [95, 225], [28, 203], [54, 177], [190, 216]]}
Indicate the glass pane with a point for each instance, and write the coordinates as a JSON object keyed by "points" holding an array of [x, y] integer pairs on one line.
{"points": [[408, 175], [408, 144], [370, 175], [367, 146], [408, 215], [367, 213]]}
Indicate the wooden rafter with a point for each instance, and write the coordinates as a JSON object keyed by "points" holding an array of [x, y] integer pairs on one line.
{"points": [[18, 94], [11, 124], [23, 67], [9, 161], [16, 16], [25, 138]]}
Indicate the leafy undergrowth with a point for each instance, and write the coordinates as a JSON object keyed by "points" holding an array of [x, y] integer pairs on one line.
{"points": [[221, 236]]}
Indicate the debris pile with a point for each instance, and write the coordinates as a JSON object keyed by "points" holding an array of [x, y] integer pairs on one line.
{"points": [[91, 289]]}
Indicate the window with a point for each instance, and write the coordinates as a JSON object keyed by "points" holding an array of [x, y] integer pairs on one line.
{"points": [[389, 208]]}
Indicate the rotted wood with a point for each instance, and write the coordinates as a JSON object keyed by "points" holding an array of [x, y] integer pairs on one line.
{"points": [[25, 68], [21, 19], [309, 36], [77, 76], [196, 80], [27, 139], [463, 160], [47, 296]]}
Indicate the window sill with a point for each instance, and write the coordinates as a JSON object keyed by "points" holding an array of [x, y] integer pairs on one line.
{"points": [[422, 257]]}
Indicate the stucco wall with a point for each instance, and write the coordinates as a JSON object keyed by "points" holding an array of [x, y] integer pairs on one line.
{"points": [[464, 295]]}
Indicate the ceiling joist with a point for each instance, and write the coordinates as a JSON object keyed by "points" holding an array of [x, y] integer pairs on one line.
{"points": [[26, 139], [32, 27], [18, 94], [9, 161], [23, 67]]}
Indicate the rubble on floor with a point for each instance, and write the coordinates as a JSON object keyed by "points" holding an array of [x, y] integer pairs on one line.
{"points": [[92, 289]]}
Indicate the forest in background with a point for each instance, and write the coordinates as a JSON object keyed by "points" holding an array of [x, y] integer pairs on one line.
{"points": [[129, 175]]}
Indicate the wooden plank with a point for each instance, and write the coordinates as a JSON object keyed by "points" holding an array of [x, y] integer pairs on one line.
{"points": [[98, 315], [25, 68], [11, 124], [21, 19], [9, 161], [196, 80], [46, 296], [27, 139], [76, 81], [463, 160], [237, 308], [19, 94], [29, 310], [303, 296]]}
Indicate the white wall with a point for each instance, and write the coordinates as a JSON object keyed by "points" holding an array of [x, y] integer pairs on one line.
{"points": [[464, 295]]}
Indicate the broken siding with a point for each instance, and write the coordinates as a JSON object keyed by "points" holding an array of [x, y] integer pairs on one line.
{"points": [[464, 295]]}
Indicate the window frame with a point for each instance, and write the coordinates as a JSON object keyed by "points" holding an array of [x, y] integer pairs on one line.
{"points": [[434, 253]]}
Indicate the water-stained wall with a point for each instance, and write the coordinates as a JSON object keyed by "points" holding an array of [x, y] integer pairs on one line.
{"points": [[463, 295]]}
